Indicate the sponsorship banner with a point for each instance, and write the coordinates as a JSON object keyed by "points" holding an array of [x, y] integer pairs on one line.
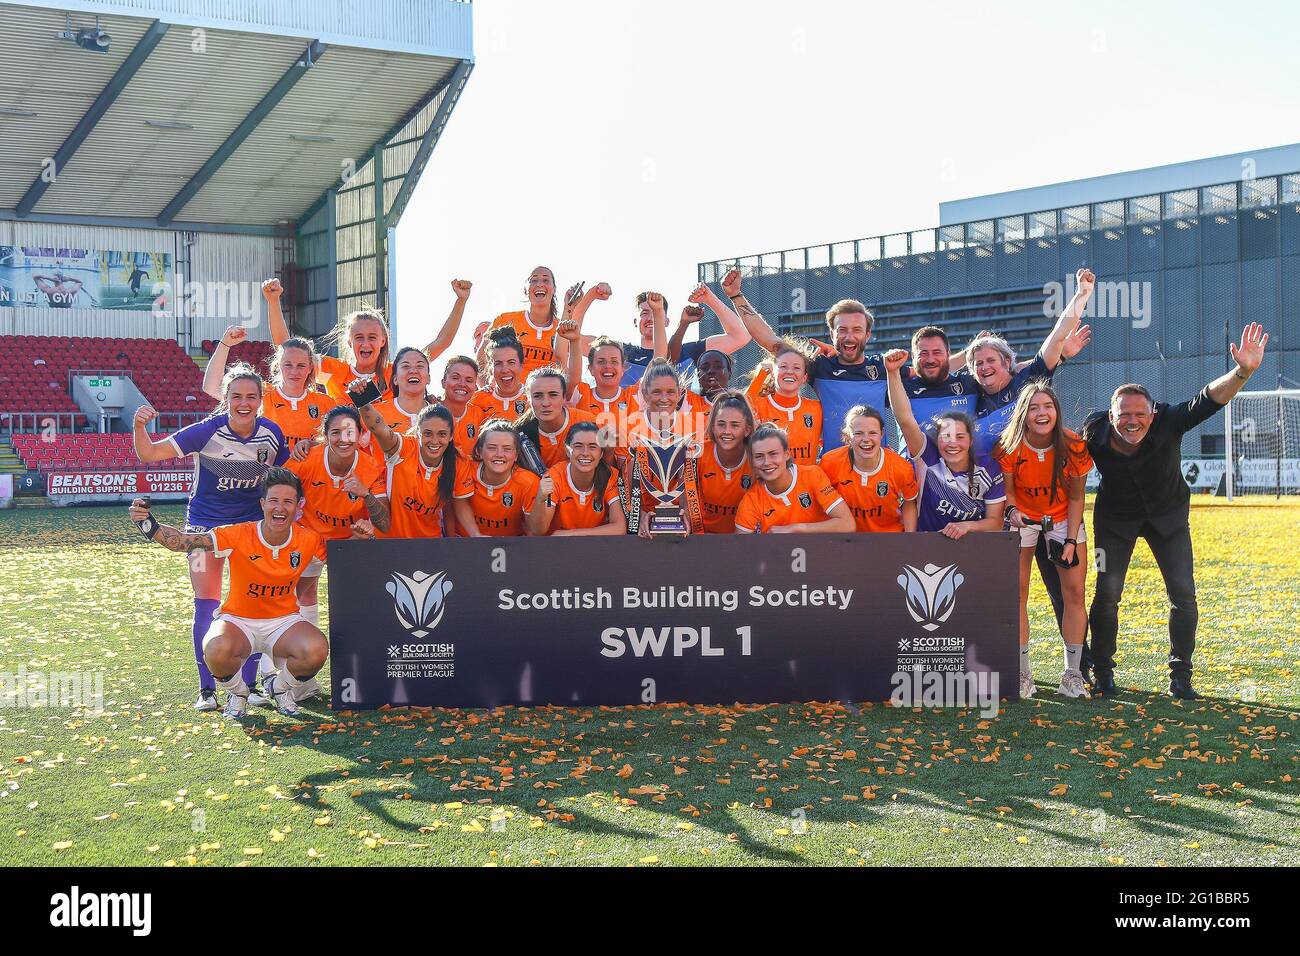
{"points": [[54, 277], [105, 483], [711, 619]]}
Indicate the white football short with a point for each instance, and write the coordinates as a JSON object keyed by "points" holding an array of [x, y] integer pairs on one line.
{"points": [[262, 633], [1029, 536]]}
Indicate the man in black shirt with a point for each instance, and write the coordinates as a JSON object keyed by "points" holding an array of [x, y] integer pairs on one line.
{"points": [[1137, 450]]}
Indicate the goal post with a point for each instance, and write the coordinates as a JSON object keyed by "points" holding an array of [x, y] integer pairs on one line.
{"points": [[1261, 432]]}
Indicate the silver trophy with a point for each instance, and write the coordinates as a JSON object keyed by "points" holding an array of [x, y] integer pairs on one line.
{"points": [[667, 455]]}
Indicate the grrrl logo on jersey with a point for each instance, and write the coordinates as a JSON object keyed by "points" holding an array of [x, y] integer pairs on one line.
{"points": [[419, 600], [931, 593]]}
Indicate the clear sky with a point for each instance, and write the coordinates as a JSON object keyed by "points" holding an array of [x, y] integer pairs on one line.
{"points": [[626, 141]]}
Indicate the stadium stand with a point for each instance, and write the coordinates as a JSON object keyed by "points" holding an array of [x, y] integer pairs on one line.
{"points": [[35, 369], [256, 354], [85, 453]]}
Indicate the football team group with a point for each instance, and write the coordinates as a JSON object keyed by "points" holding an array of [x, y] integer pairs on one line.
{"points": [[518, 443]]}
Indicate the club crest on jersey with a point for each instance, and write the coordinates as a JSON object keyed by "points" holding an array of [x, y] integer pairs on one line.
{"points": [[746, 481], [295, 559], [931, 593], [598, 506], [263, 455], [508, 499], [805, 499], [520, 405], [873, 373], [313, 411], [882, 489], [956, 388], [469, 430], [807, 421], [419, 600]]}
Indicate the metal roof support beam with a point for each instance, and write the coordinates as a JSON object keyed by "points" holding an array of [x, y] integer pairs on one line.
{"points": [[130, 66], [381, 233], [138, 222], [430, 139], [245, 129]]}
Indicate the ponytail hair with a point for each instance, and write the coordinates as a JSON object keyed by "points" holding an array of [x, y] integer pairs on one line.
{"points": [[450, 457], [505, 338], [341, 338]]}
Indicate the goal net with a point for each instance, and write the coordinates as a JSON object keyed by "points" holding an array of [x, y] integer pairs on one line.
{"points": [[1262, 438]]}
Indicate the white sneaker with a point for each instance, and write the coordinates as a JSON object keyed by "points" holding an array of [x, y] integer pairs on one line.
{"points": [[207, 700], [259, 696], [282, 694], [1072, 685], [236, 706], [1027, 687], [306, 690]]}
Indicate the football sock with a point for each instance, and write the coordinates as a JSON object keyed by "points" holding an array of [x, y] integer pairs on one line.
{"points": [[287, 676], [234, 684], [1024, 659], [249, 669], [1073, 653], [204, 609]]}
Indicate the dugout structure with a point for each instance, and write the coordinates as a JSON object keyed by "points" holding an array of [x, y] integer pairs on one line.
{"points": [[1184, 255], [204, 144]]}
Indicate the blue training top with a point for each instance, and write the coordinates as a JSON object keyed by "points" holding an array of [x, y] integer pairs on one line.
{"points": [[228, 468]]}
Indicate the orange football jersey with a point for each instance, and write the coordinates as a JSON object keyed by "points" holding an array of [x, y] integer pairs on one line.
{"points": [[721, 490], [492, 405], [801, 421], [413, 498], [337, 375], [465, 434], [875, 498], [539, 344], [329, 510], [298, 418], [396, 418], [499, 509], [551, 444], [612, 414], [1028, 472], [576, 509], [263, 578], [810, 497]]}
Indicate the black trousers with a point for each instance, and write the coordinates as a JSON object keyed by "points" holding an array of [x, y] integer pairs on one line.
{"points": [[1172, 549]]}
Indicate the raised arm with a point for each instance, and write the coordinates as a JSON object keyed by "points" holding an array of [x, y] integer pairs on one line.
{"points": [[1247, 355], [1054, 344], [734, 335], [376, 507], [216, 370], [389, 440], [271, 291], [755, 325], [570, 333], [442, 341], [146, 449], [659, 317], [690, 315], [900, 404], [165, 535]]}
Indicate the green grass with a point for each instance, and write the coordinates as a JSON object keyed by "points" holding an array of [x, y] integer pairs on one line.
{"points": [[1139, 779]]}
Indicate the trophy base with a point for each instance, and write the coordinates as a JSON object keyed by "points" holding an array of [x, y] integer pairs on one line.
{"points": [[667, 521]]}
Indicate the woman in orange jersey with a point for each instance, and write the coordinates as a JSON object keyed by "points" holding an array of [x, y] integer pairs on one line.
{"points": [[459, 383], [425, 472], [362, 340], [1045, 469], [505, 398], [401, 409], [788, 497], [535, 325], [609, 401], [294, 402], [344, 491], [548, 419], [504, 492], [663, 446], [724, 473], [260, 615], [579, 496], [776, 393], [877, 483]]}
